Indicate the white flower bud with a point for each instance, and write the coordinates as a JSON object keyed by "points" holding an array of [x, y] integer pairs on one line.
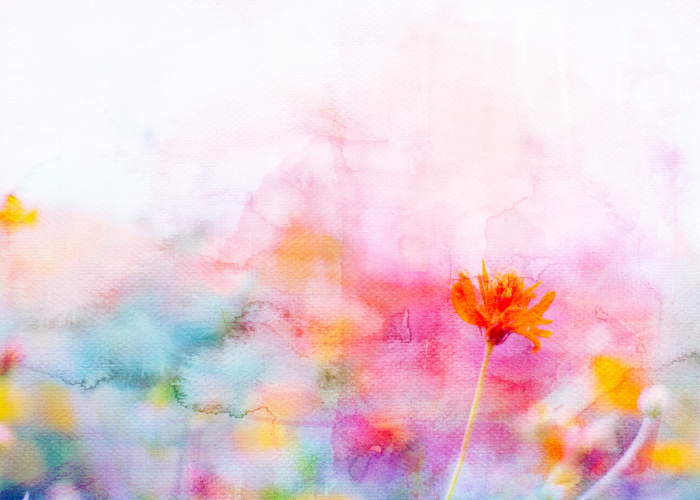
{"points": [[653, 401]]}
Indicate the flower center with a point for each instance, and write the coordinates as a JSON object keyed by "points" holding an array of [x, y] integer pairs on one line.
{"points": [[497, 334]]}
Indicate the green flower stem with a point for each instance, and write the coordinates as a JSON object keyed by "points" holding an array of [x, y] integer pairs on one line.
{"points": [[472, 417], [599, 488]]}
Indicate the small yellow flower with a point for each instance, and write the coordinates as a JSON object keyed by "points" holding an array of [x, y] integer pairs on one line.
{"points": [[13, 215], [503, 309]]}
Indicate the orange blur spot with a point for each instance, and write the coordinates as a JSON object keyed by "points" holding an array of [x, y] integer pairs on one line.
{"points": [[54, 407], [302, 245], [329, 340], [618, 383], [675, 457], [12, 402], [262, 435], [288, 402], [553, 446], [13, 215], [303, 255], [565, 475]]}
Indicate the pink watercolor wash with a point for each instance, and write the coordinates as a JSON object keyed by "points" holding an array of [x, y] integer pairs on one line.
{"points": [[230, 231]]}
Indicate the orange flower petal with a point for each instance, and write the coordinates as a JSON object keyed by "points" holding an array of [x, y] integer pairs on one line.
{"points": [[531, 289], [532, 338], [541, 307], [464, 301], [541, 333], [484, 281], [528, 294], [485, 274]]}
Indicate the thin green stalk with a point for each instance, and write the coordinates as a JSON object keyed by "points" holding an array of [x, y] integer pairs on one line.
{"points": [[598, 489], [472, 417]]}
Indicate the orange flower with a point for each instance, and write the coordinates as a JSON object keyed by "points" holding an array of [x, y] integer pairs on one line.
{"points": [[503, 308]]}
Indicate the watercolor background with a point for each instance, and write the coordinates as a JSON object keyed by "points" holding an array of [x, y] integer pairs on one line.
{"points": [[250, 215]]}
